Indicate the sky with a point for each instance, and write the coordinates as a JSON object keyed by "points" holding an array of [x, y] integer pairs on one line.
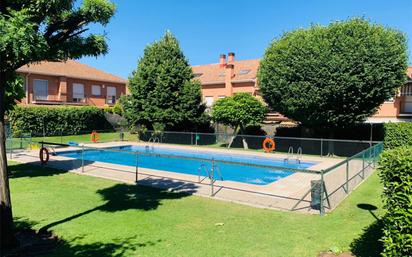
{"points": [[207, 28]]}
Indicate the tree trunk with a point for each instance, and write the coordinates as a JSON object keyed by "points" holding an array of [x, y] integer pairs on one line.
{"points": [[6, 218], [232, 138], [245, 145]]}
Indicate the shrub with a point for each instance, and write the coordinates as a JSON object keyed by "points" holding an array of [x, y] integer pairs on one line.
{"points": [[108, 109], [397, 134], [396, 174], [117, 108], [56, 120]]}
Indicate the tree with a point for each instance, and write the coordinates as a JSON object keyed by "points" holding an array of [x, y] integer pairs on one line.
{"points": [[163, 92], [34, 31], [239, 112], [335, 75], [14, 92]]}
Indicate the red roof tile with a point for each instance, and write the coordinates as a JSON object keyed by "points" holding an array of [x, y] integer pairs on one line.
{"points": [[71, 69], [214, 73]]}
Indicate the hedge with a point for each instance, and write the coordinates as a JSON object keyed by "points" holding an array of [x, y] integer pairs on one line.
{"points": [[396, 174], [56, 120], [397, 134]]}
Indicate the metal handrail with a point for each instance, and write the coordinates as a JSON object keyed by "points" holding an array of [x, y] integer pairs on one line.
{"points": [[299, 154], [289, 154]]}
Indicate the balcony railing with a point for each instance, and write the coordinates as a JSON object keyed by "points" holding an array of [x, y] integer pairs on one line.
{"points": [[406, 90]]}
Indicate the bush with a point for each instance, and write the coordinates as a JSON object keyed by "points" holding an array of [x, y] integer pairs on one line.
{"points": [[397, 134], [69, 120], [396, 174], [117, 108], [108, 109]]}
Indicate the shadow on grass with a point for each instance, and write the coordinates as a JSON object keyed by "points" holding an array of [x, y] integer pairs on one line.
{"points": [[368, 244], [30, 170], [34, 243], [121, 197], [38, 170], [116, 248]]}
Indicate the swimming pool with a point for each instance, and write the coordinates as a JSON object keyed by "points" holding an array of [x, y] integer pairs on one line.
{"points": [[233, 167]]}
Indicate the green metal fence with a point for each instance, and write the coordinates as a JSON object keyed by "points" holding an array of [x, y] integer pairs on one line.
{"points": [[320, 190]]}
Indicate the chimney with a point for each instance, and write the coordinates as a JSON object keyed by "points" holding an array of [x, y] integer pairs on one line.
{"points": [[230, 73], [222, 60], [231, 58]]}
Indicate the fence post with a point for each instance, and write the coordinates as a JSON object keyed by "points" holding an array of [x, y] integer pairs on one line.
{"points": [[137, 168], [212, 177], [321, 147], [11, 147], [322, 191], [347, 177], [82, 158], [363, 165], [191, 138], [30, 142]]}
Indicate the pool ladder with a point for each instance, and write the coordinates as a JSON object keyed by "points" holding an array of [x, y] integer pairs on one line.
{"points": [[209, 173], [290, 155], [152, 140]]}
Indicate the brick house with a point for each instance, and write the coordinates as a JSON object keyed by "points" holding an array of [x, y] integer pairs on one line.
{"points": [[229, 76], [70, 83], [399, 108]]}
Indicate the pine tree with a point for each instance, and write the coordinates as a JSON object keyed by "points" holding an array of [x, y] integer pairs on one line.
{"points": [[163, 90]]}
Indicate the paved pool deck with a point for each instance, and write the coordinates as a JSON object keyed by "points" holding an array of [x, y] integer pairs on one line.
{"points": [[290, 193]]}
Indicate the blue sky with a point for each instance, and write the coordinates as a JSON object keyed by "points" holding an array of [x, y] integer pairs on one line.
{"points": [[207, 28]]}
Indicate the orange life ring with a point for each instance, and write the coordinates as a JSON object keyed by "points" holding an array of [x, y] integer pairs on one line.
{"points": [[94, 137], [269, 145], [43, 152]]}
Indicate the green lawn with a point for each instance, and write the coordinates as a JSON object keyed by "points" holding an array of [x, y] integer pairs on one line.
{"points": [[98, 217]]}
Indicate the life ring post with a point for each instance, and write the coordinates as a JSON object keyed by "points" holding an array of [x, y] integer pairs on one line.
{"points": [[44, 151], [269, 144], [94, 136]]}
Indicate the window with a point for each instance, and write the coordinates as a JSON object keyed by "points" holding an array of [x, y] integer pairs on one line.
{"points": [[96, 90], [209, 101], [78, 92], [221, 96], [243, 72], [111, 95], [40, 89]]}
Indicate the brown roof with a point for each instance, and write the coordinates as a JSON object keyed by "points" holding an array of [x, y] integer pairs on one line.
{"points": [[213, 73], [71, 69]]}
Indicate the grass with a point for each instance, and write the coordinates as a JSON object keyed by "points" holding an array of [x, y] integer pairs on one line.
{"points": [[98, 217]]}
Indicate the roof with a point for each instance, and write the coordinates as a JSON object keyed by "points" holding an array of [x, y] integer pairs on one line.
{"points": [[214, 73], [70, 69], [409, 72]]}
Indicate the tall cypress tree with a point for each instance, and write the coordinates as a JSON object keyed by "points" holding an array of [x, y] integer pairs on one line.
{"points": [[163, 90]]}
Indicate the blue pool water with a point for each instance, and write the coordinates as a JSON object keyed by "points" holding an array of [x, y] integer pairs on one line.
{"points": [[236, 167]]}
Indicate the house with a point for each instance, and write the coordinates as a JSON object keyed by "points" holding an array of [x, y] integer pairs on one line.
{"points": [[229, 76], [69, 83], [399, 108]]}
